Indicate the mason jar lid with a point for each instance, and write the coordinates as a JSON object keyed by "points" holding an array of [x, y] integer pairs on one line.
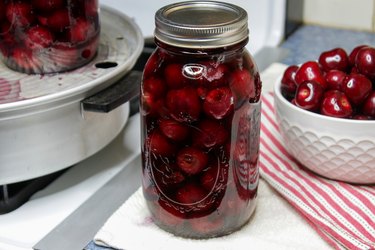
{"points": [[201, 24]]}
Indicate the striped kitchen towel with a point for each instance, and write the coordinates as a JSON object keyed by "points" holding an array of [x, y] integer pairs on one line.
{"points": [[343, 214]]}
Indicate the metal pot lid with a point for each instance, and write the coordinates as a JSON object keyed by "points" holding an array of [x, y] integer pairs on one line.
{"points": [[121, 43]]}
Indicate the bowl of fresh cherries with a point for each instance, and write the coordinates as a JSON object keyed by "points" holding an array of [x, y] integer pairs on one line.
{"points": [[326, 114]]}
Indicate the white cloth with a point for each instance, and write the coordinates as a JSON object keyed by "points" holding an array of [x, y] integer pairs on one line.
{"points": [[274, 225]]}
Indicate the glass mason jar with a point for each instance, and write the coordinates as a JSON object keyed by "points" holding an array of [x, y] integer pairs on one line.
{"points": [[200, 121], [48, 36]]}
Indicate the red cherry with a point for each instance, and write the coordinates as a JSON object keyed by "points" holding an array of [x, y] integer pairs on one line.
{"points": [[209, 176], [354, 53], [190, 194], [47, 5], [365, 62], [209, 133], [38, 37], [357, 87], [20, 14], [184, 104], [214, 74], [368, 107], [81, 31], [310, 71], [334, 59], [191, 160], [152, 106], [174, 77], [154, 86], [159, 144], [59, 20], [288, 82], [308, 95], [167, 176], [336, 104], [152, 64], [335, 79], [242, 85], [174, 130], [218, 103]]}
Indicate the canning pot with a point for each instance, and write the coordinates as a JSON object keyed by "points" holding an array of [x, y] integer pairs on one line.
{"points": [[51, 122]]}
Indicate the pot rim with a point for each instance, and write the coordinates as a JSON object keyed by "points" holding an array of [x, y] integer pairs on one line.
{"points": [[134, 45]]}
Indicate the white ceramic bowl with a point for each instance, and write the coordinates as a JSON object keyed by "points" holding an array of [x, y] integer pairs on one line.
{"points": [[336, 148]]}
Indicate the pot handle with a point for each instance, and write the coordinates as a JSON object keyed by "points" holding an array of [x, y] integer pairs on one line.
{"points": [[115, 95]]}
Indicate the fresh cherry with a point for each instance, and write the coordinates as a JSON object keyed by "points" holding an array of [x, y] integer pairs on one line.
{"points": [[368, 107], [335, 79], [357, 87], [334, 59], [336, 104], [365, 62], [184, 104], [310, 71], [309, 95], [191, 160], [353, 54], [288, 82], [218, 103]]}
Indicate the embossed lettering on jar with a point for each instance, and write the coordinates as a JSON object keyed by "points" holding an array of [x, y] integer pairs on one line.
{"points": [[200, 121]]}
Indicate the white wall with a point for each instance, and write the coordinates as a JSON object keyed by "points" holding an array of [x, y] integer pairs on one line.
{"points": [[351, 14]]}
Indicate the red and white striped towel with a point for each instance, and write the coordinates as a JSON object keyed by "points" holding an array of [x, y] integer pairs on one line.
{"points": [[343, 214]]}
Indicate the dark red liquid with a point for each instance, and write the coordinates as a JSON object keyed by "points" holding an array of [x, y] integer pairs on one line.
{"points": [[47, 36], [200, 133]]}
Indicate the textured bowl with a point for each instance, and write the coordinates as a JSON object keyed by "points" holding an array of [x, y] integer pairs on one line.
{"points": [[339, 149]]}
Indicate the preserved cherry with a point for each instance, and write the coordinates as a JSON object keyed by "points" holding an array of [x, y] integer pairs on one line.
{"points": [[200, 115], [48, 36]]}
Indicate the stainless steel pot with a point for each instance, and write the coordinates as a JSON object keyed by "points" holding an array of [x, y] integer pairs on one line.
{"points": [[47, 127]]}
